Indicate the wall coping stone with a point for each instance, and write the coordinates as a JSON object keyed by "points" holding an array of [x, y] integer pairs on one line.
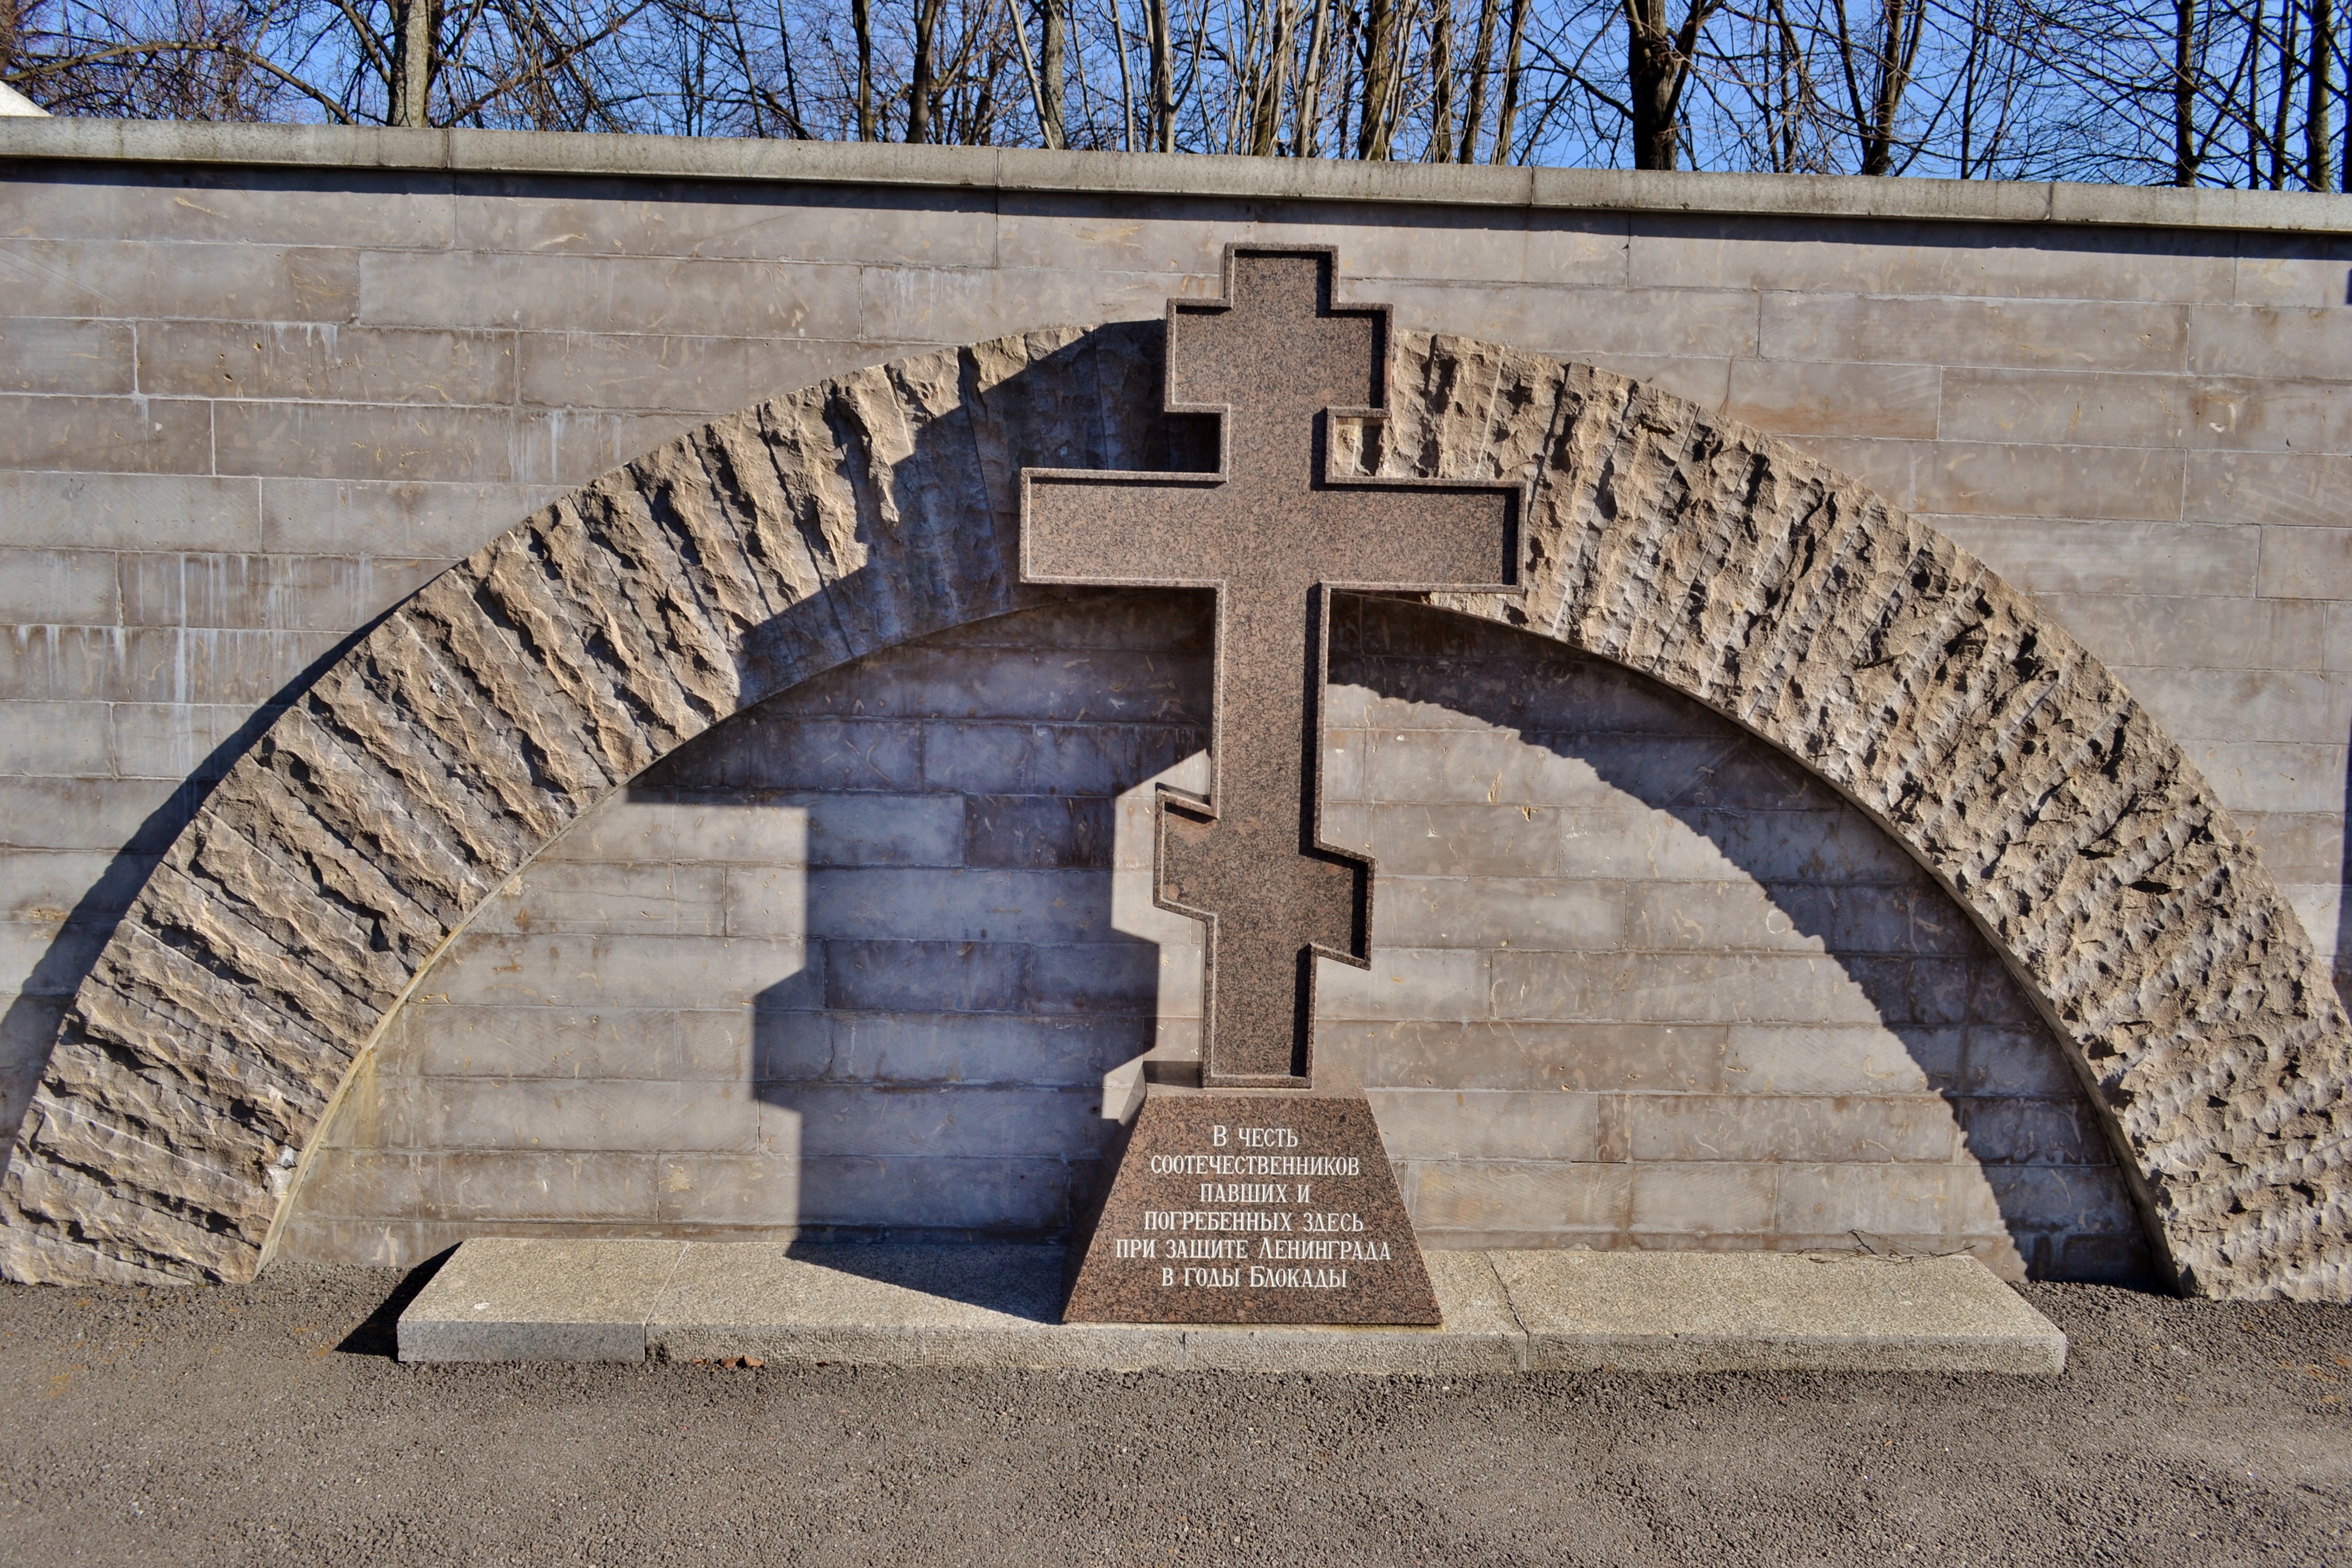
{"points": [[1160, 174]]}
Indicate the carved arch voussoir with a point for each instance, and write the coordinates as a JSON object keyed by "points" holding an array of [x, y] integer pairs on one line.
{"points": [[288, 922]]}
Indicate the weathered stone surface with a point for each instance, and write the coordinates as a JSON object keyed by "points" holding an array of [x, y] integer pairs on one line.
{"points": [[433, 760]]}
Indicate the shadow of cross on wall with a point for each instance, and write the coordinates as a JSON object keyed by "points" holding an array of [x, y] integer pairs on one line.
{"points": [[1273, 534]]}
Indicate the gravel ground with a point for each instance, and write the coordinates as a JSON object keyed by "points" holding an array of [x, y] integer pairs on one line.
{"points": [[268, 1424]]}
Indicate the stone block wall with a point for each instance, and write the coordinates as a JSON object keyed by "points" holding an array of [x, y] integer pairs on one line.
{"points": [[866, 959], [250, 407]]}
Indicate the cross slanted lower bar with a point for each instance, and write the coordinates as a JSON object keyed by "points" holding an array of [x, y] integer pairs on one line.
{"points": [[1273, 533]]}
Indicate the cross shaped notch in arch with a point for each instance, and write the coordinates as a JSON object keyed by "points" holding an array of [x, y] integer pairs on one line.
{"points": [[1273, 532]]}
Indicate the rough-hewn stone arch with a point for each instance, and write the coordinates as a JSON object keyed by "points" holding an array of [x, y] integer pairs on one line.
{"points": [[286, 922]]}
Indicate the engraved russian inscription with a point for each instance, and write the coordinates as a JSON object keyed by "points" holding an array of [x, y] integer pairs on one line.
{"points": [[1265, 1207]]}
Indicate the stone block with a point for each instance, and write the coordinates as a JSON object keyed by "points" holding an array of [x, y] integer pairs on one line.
{"points": [[1114, 979], [393, 442], [503, 1186], [1448, 984], [1892, 467], [1701, 378], [104, 435], [46, 887], [761, 298], [2275, 342], [2258, 776], [767, 752], [59, 740], [200, 209], [1443, 1125], [941, 1198], [740, 1192], [337, 363], [1165, 235], [2245, 705], [899, 303], [2083, 1199], [1749, 1126], [1039, 831], [937, 1122], [171, 281], [571, 1115], [1877, 1199], [44, 355], [2017, 1132], [1799, 1059], [593, 972], [643, 824], [927, 976], [765, 222], [264, 593], [2308, 563], [965, 1048], [2066, 410], [2295, 269], [2060, 555], [404, 518], [1469, 1056], [2194, 631], [2251, 415], [965, 904], [99, 511], [1697, 1312], [1054, 685], [1837, 256], [763, 900], [1535, 1195], [2025, 334], [539, 1300], [1728, 988], [608, 898], [2291, 490], [707, 376], [1811, 397], [981, 758], [2001, 479], [77, 814], [1685, 1203], [558, 1044], [1584, 324], [58, 587], [171, 741], [2297, 846], [1525, 912]]}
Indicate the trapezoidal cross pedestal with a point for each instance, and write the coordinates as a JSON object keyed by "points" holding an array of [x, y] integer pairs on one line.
{"points": [[1272, 535]]}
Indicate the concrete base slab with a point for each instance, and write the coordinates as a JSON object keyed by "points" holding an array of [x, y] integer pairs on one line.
{"points": [[1000, 1307]]}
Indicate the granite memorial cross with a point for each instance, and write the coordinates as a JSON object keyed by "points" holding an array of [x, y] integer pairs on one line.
{"points": [[1274, 534]]}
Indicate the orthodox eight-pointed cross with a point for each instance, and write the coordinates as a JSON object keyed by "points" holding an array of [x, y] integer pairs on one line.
{"points": [[1273, 533]]}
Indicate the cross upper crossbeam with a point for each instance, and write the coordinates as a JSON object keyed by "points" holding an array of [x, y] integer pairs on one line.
{"points": [[1273, 534]]}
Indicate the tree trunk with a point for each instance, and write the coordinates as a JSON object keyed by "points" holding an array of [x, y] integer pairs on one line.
{"points": [[1474, 117], [1163, 77], [1655, 74], [1052, 72], [1372, 123], [923, 85], [1306, 108], [2184, 92], [2323, 80], [1509, 109], [412, 83], [1441, 92], [1265, 122], [861, 22]]}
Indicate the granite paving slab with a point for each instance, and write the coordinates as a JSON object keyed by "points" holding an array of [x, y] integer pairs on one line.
{"points": [[997, 1307]]}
